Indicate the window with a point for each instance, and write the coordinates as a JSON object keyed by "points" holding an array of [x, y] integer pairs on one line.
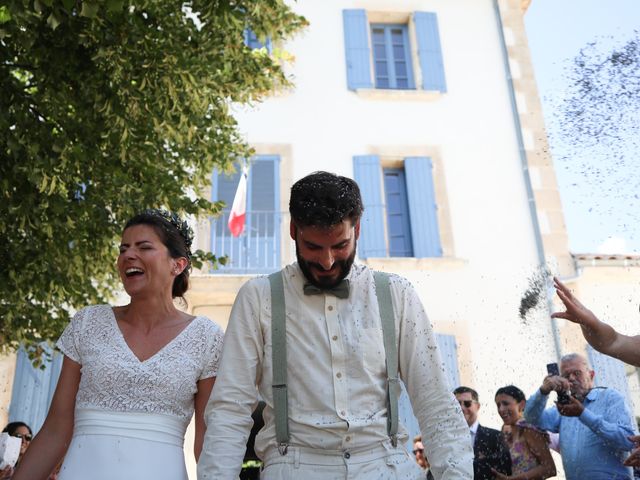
{"points": [[449, 355], [257, 249], [386, 50], [400, 217], [251, 40], [391, 56]]}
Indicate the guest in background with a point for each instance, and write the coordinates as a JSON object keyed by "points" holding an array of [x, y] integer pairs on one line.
{"points": [[528, 446], [22, 431], [489, 450], [421, 459], [594, 424], [603, 338]]}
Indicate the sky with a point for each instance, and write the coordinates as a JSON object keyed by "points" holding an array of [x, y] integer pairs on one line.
{"points": [[598, 185]]}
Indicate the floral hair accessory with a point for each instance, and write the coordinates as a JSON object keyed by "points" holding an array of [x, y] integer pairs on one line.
{"points": [[185, 231]]}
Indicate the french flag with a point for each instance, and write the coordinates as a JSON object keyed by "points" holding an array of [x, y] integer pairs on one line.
{"points": [[239, 207]]}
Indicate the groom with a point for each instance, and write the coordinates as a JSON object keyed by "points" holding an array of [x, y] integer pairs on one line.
{"points": [[329, 398]]}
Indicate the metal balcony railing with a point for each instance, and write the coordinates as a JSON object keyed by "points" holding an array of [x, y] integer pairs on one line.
{"points": [[259, 249]]}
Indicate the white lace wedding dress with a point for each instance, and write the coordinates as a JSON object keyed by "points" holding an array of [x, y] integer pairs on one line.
{"points": [[131, 416]]}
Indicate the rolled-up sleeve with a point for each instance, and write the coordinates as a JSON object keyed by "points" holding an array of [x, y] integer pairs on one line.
{"points": [[234, 396], [444, 430]]}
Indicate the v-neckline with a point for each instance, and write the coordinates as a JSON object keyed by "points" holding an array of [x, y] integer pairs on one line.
{"points": [[114, 321]]}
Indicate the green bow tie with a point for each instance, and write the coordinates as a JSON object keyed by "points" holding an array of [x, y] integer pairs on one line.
{"points": [[341, 290]]}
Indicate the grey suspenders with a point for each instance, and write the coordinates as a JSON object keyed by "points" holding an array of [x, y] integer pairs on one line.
{"points": [[279, 357], [279, 360], [385, 305]]}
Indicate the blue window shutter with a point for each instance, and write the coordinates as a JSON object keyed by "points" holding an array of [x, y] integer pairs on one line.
{"points": [[449, 354], [356, 44], [224, 189], [263, 215], [367, 172], [398, 221], [251, 40], [222, 242], [429, 51], [33, 389], [422, 207]]}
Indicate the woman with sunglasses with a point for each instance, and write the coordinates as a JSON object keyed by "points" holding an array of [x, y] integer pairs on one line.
{"points": [[529, 447], [20, 430], [132, 375]]}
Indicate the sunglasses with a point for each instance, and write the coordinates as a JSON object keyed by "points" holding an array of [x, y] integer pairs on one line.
{"points": [[421, 450], [24, 436], [466, 403]]}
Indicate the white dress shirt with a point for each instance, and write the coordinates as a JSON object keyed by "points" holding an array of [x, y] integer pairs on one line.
{"points": [[474, 430], [335, 376]]}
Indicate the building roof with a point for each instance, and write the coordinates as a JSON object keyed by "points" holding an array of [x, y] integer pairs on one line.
{"points": [[606, 259]]}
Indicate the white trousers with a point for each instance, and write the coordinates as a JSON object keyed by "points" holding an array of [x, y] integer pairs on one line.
{"points": [[382, 462]]}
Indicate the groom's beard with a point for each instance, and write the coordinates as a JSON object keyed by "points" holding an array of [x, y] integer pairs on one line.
{"points": [[344, 267]]}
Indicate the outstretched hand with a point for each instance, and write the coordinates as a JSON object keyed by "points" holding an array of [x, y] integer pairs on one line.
{"points": [[575, 311], [634, 459]]}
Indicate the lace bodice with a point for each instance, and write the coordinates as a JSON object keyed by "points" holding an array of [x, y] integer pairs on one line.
{"points": [[113, 378]]}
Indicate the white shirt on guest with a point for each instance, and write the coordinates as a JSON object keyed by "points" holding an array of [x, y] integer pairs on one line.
{"points": [[336, 376], [474, 429]]}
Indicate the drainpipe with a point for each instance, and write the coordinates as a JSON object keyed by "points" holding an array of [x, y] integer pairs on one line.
{"points": [[527, 178]]}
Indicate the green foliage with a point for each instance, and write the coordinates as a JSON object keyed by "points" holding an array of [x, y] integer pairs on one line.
{"points": [[108, 107]]}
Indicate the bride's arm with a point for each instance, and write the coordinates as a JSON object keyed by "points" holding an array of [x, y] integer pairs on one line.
{"points": [[201, 398], [52, 441]]}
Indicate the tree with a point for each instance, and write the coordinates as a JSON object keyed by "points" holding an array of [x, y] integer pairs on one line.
{"points": [[108, 107]]}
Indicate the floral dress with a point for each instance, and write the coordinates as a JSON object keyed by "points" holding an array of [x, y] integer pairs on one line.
{"points": [[522, 458]]}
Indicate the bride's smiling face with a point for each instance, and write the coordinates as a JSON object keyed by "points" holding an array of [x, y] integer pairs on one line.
{"points": [[144, 263]]}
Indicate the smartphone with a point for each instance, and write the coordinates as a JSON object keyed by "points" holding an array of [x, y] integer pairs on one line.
{"points": [[552, 369], [563, 397]]}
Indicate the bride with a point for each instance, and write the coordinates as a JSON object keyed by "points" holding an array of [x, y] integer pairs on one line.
{"points": [[132, 376]]}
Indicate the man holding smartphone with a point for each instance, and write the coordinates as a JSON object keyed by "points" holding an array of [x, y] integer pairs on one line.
{"points": [[594, 423], [564, 396]]}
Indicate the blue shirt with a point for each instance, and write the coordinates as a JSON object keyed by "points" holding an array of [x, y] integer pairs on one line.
{"points": [[593, 445]]}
